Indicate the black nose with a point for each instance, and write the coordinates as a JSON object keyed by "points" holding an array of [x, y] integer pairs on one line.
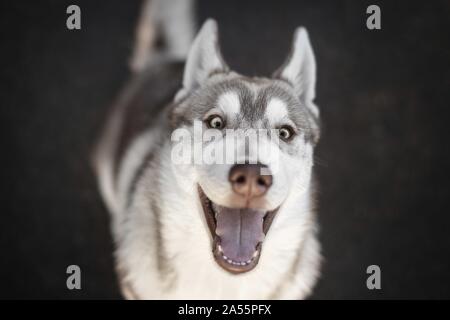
{"points": [[248, 179]]}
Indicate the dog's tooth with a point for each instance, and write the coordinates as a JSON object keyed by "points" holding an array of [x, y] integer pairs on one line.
{"points": [[220, 248], [230, 261], [225, 257], [243, 263], [255, 254], [248, 261]]}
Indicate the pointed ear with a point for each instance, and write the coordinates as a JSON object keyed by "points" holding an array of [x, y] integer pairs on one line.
{"points": [[204, 57], [300, 69]]}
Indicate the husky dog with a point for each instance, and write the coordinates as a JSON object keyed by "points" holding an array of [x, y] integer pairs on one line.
{"points": [[240, 229]]}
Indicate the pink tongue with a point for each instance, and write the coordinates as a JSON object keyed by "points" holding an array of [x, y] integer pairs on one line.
{"points": [[240, 231]]}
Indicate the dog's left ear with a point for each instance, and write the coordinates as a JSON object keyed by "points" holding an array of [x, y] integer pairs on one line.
{"points": [[300, 70], [204, 58]]}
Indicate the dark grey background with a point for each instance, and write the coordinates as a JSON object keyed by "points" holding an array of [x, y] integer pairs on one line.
{"points": [[382, 163]]}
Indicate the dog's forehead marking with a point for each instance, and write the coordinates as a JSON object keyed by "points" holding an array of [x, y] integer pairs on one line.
{"points": [[276, 110], [229, 103]]}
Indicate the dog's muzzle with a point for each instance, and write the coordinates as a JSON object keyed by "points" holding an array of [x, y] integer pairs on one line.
{"points": [[238, 233]]}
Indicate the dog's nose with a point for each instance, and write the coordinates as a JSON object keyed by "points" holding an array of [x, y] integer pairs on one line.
{"points": [[250, 180]]}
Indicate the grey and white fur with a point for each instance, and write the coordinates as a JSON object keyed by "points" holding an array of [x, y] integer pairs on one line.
{"points": [[165, 247]]}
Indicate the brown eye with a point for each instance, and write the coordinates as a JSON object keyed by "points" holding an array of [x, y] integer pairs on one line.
{"points": [[215, 122], [286, 133]]}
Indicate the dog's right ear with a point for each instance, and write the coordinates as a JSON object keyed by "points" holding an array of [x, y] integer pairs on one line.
{"points": [[300, 70], [204, 58]]}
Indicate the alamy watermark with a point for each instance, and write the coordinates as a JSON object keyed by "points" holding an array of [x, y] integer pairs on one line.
{"points": [[374, 20], [73, 21], [74, 279], [374, 280], [228, 146]]}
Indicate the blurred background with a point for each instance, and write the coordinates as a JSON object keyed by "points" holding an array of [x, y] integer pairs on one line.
{"points": [[383, 161]]}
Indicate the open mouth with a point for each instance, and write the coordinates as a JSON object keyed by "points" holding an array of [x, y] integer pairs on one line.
{"points": [[238, 234]]}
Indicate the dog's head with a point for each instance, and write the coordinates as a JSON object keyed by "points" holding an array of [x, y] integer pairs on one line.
{"points": [[256, 142]]}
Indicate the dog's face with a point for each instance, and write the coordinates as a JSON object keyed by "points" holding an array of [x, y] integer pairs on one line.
{"points": [[253, 141]]}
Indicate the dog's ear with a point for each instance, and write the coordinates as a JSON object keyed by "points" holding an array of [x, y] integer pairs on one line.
{"points": [[204, 58], [300, 70]]}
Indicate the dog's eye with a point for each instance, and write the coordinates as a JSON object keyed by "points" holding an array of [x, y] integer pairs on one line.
{"points": [[215, 122], [286, 133]]}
